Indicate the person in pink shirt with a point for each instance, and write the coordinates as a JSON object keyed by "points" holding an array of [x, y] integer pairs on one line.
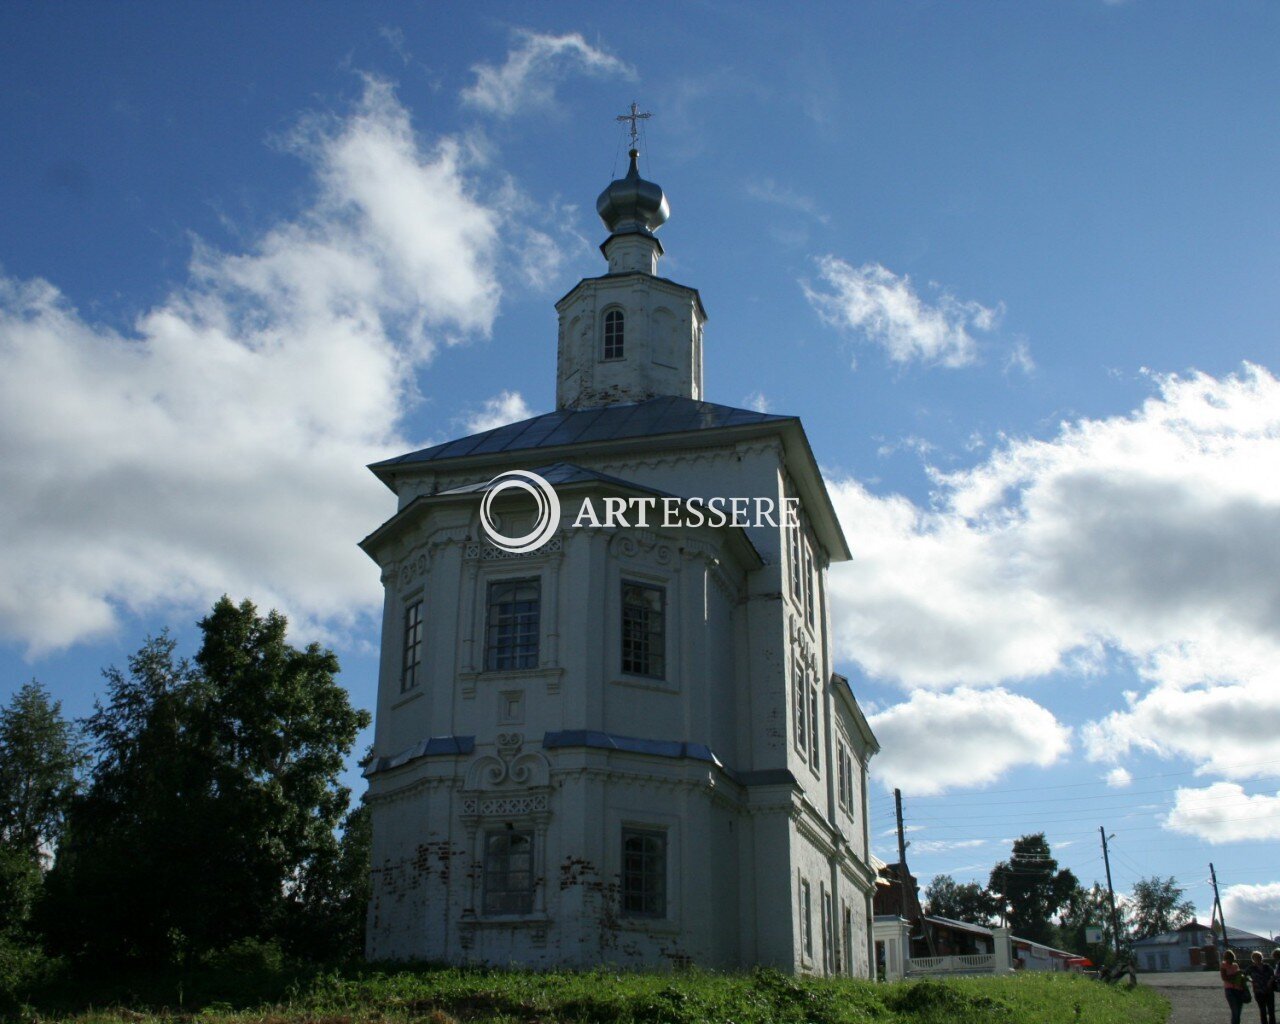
{"points": [[1232, 984]]}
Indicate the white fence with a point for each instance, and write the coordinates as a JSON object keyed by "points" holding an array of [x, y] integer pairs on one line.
{"points": [[971, 963]]}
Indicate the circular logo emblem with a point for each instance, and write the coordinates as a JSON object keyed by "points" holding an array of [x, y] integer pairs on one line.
{"points": [[545, 521]]}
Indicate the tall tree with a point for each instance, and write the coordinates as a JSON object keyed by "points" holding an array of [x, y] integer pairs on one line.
{"points": [[333, 896], [967, 901], [278, 728], [1090, 908], [130, 861], [1030, 887], [215, 798], [40, 753], [1157, 905]]}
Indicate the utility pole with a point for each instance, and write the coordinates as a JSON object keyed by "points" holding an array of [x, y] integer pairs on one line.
{"points": [[1111, 893], [1217, 905], [902, 840], [904, 875]]}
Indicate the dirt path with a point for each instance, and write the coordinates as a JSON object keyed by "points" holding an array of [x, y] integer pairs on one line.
{"points": [[1196, 998]]}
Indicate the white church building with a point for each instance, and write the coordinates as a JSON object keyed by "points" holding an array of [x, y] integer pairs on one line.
{"points": [[627, 746]]}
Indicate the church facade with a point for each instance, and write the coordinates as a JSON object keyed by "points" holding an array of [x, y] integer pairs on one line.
{"points": [[627, 745]]}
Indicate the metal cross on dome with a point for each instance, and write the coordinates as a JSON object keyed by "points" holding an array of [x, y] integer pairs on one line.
{"points": [[633, 117]]}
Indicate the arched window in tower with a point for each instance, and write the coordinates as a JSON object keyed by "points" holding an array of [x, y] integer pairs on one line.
{"points": [[613, 332]]}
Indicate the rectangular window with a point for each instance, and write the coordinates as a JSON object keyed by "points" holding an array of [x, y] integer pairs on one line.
{"points": [[411, 669], [644, 873], [806, 918], [845, 777], [814, 744], [828, 937], [614, 325], [508, 872], [644, 630], [842, 774], [513, 624], [799, 707], [846, 935], [793, 550], [808, 584]]}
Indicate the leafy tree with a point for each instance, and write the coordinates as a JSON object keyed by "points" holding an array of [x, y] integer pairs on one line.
{"points": [[1030, 887], [1158, 906], [967, 901], [40, 755], [334, 896], [278, 728], [214, 802], [19, 889], [130, 862], [1086, 908]]}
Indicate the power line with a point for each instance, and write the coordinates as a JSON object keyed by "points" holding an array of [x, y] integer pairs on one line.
{"points": [[1219, 769], [1119, 793]]}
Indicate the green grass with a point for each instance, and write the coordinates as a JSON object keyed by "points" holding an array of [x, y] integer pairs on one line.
{"points": [[443, 995]]}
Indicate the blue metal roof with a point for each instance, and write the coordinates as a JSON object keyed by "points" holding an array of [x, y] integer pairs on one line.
{"points": [[658, 416], [562, 473]]}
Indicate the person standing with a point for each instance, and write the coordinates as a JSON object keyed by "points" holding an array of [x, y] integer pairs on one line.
{"points": [[1233, 985], [1263, 977]]}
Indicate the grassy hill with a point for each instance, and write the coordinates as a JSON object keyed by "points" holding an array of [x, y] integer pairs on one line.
{"points": [[445, 996]]}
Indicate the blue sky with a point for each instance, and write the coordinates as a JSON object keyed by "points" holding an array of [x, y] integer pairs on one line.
{"points": [[1015, 265]]}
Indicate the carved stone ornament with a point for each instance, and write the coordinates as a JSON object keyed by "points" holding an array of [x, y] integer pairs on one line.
{"points": [[413, 569], [642, 544], [486, 552], [512, 767]]}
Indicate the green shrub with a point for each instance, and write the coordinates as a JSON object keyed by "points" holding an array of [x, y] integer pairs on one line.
{"points": [[24, 967]]}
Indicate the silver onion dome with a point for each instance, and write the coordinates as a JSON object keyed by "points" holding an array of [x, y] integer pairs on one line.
{"points": [[632, 204]]}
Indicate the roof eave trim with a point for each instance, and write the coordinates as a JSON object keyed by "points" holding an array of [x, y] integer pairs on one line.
{"points": [[565, 452]]}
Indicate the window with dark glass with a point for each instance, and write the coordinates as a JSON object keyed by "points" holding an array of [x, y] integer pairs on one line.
{"points": [[844, 774], [799, 706], [793, 539], [846, 935], [828, 933], [808, 584], [644, 630], [613, 332], [508, 872], [411, 668], [513, 624], [644, 873], [813, 723], [806, 913]]}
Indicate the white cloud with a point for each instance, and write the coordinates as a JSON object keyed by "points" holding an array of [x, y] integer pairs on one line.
{"points": [[1255, 908], [945, 845], [1156, 534], [393, 36], [931, 601], [1119, 778], [1152, 538], [933, 742], [528, 78], [503, 408], [1222, 726], [219, 444], [884, 309], [1019, 358], [757, 401], [769, 191], [1224, 813]]}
